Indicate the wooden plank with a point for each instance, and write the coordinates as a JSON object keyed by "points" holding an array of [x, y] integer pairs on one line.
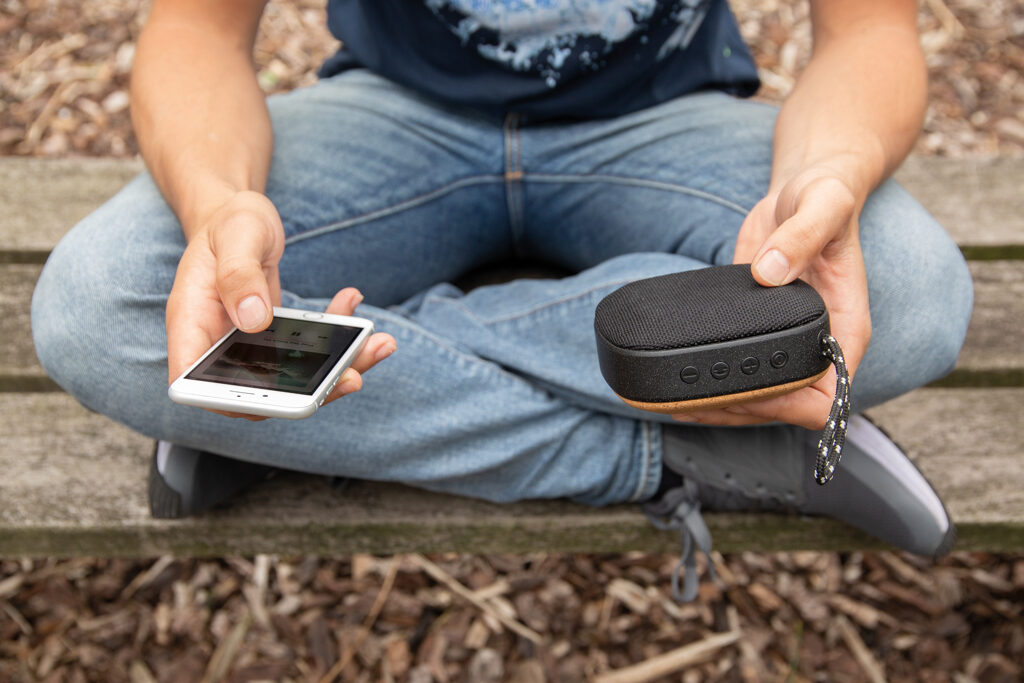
{"points": [[17, 355], [993, 336], [43, 198], [991, 355], [80, 490], [979, 201]]}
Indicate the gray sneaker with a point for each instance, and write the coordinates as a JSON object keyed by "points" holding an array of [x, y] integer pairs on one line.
{"points": [[876, 489], [184, 481]]}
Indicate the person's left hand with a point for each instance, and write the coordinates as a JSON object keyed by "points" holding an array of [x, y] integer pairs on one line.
{"points": [[806, 228]]}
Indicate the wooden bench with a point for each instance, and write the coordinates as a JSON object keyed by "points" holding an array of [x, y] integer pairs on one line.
{"points": [[73, 482]]}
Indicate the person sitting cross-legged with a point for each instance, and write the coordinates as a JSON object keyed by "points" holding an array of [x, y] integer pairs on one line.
{"points": [[610, 139]]}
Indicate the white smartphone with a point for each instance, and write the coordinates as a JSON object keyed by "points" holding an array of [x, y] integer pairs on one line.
{"points": [[287, 370]]}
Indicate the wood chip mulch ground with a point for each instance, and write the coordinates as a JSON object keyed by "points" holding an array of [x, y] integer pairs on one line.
{"points": [[788, 616], [64, 67]]}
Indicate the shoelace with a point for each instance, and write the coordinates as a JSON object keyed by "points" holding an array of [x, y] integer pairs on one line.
{"points": [[679, 508], [830, 445]]}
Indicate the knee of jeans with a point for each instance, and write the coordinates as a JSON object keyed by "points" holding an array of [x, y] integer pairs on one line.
{"points": [[939, 303], [951, 295], [63, 319], [921, 294], [88, 323]]}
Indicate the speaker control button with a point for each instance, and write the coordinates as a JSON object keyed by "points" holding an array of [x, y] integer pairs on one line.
{"points": [[750, 365], [720, 370], [779, 358], [689, 374]]}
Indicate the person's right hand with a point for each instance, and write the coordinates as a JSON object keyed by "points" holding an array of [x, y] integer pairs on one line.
{"points": [[227, 276]]}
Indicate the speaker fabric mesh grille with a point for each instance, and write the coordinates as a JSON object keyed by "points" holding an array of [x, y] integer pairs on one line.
{"points": [[698, 307]]}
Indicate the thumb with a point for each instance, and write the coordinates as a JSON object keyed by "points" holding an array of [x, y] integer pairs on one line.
{"points": [[809, 222], [247, 248], [756, 228]]}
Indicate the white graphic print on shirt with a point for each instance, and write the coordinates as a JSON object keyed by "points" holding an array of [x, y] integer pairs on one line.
{"points": [[549, 37]]}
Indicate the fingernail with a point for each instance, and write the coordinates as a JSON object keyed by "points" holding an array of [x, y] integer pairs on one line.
{"points": [[358, 300], [251, 312], [773, 267], [384, 351]]}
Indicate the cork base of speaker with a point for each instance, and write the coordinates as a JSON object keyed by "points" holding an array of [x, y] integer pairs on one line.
{"points": [[725, 400]]}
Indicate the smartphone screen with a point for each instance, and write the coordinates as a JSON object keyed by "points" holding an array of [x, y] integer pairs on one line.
{"points": [[290, 355]]}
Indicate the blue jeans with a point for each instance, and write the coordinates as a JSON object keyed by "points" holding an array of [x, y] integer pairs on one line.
{"points": [[493, 393]]}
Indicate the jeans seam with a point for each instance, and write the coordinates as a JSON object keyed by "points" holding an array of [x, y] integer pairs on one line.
{"points": [[513, 178], [641, 485], [535, 309], [403, 205], [400, 321], [635, 182]]}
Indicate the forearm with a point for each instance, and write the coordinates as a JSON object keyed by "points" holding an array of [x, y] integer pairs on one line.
{"points": [[198, 112], [858, 106]]}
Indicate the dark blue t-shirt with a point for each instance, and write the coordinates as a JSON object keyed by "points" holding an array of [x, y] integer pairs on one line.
{"points": [[546, 58]]}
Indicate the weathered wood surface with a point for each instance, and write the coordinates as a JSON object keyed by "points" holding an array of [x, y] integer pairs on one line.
{"points": [[979, 202], [994, 339], [991, 354], [43, 198], [79, 489], [74, 482]]}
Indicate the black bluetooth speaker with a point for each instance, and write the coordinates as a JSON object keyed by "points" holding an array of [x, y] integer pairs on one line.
{"points": [[709, 338]]}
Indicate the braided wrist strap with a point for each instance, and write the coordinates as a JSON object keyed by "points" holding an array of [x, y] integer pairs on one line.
{"points": [[830, 446]]}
